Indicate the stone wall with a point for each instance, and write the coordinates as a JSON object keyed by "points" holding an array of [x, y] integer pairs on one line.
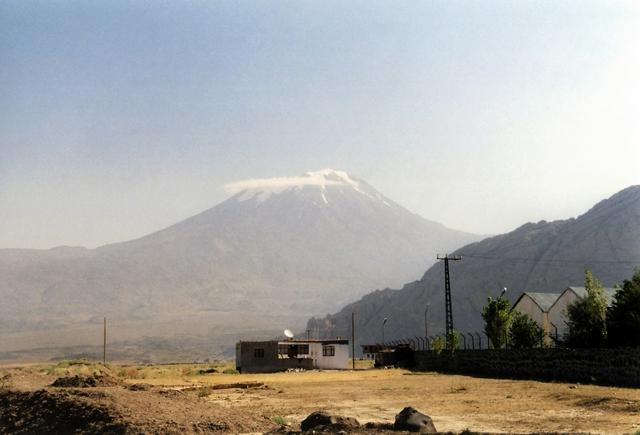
{"points": [[595, 366]]}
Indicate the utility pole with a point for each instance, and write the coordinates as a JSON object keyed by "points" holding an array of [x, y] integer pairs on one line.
{"points": [[104, 342], [426, 330], [447, 296], [384, 322], [353, 340]]}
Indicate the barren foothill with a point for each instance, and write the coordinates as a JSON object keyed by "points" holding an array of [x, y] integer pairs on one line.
{"points": [[192, 398]]}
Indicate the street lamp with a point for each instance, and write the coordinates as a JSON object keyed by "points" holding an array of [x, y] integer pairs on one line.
{"points": [[384, 322], [504, 290]]}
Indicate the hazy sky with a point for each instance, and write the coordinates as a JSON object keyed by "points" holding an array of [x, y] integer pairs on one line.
{"points": [[120, 118]]}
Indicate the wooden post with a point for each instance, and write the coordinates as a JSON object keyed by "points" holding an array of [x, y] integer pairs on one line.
{"points": [[104, 343], [353, 340]]}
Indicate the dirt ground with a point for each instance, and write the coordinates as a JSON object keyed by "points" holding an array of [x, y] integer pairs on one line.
{"points": [[200, 399]]}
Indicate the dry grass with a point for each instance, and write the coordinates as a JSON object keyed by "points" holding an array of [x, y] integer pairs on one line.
{"points": [[454, 402], [75, 367]]}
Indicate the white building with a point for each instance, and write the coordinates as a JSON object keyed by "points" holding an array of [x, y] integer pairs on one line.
{"points": [[273, 356], [537, 306], [329, 354], [558, 311]]}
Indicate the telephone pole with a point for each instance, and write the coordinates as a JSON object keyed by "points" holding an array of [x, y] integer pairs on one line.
{"points": [[353, 340], [447, 295], [426, 330], [104, 342]]}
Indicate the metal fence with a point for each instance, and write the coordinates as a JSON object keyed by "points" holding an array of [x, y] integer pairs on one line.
{"points": [[468, 341]]}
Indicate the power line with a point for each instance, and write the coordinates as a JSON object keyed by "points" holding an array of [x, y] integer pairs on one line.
{"points": [[555, 260]]}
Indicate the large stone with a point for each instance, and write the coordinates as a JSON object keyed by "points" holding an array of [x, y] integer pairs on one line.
{"points": [[323, 421], [411, 420]]}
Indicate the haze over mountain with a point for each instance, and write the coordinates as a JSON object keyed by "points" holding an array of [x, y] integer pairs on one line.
{"points": [[537, 257], [284, 247]]}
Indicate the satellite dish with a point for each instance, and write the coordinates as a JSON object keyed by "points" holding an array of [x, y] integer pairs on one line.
{"points": [[288, 333]]}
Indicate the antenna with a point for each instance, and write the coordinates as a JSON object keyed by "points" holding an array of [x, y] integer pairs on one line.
{"points": [[288, 333]]}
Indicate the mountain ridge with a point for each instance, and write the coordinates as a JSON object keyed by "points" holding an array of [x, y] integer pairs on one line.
{"points": [[543, 256]]}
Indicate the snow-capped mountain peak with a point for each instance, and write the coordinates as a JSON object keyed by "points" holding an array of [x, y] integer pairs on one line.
{"points": [[261, 189]]}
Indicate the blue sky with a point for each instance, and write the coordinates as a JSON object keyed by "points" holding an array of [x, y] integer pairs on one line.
{"points": [[120, 118]]}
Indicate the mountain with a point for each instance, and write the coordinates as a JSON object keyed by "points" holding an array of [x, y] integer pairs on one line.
{"points": [[536, 257], [276, 252]]}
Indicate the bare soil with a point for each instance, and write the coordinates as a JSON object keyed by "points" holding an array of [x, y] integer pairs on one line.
{"points": [[87, 381], [183, 399]]}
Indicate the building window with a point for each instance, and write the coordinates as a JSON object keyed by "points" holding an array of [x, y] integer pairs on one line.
{"points": [[292, 350], [328, 351], [258, 352]]}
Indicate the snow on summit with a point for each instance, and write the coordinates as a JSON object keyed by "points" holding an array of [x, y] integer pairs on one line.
{"points": [[263, 188]]}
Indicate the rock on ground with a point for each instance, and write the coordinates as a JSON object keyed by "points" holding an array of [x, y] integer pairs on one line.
{"points": [[324, 421], [411, 420]]}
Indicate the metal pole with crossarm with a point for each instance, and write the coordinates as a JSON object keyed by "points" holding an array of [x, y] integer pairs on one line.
{"points": [[447, 296]]}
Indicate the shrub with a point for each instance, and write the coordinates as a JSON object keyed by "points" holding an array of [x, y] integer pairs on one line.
{"points": [[128, 372], [525, 333], [623, 316], [205, 391], [438, 344], [280, 420], [587, 316], [453, 340], [497, 318]]}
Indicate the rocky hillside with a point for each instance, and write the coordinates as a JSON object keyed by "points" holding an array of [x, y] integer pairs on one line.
{"points": [[537, 257]]}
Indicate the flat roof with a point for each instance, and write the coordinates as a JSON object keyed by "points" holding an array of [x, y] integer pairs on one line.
{"points": [[300, 341], [317, 340]]}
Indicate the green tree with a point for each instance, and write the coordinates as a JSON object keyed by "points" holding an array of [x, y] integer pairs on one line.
{"points": [[453, 340], [525, 333], [497, 320], [438, 344], [623, 316], [587, 316]]}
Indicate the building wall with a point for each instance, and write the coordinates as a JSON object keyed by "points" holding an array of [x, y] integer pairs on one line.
{"points": [[247, 362], [557, 312], [527, 306], [339, 361]]}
